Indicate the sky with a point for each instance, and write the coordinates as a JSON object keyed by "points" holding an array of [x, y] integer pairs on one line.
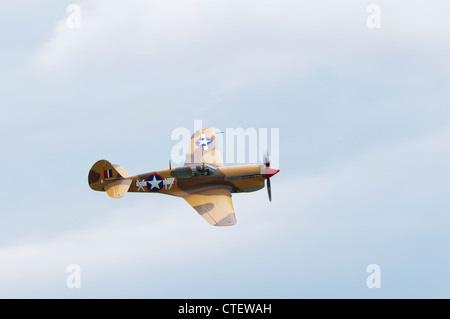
{"points": [[364, 145]]}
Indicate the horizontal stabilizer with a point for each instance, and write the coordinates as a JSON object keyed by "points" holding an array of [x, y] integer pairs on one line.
{"points": [[118, 188]]}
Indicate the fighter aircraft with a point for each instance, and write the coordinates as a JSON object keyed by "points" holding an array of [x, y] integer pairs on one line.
{"points": [[203, 181]]}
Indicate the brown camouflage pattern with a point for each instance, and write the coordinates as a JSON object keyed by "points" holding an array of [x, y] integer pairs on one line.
{"points": [[209, 195]]}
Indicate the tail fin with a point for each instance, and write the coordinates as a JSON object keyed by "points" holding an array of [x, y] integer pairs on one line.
{"points": [[108, 177]]}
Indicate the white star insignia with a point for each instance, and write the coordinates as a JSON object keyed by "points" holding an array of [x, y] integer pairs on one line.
{"points": [[154, 183], [203, 142]]}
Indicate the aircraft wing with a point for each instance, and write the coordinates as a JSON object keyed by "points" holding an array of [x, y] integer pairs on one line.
{"points": [[203, 148], [214, 205]]}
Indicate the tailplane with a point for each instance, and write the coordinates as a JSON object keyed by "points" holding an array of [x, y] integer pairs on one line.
{"points": [[109, 178]]}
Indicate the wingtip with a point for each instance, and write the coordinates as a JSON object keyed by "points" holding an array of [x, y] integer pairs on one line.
{"points": [[229, 220]]}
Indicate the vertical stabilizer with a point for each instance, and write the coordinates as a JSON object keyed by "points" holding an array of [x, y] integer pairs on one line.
{"points": [[108, 177]]}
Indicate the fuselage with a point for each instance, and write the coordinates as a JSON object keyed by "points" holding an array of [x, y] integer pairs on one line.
{"points": [[197, 177]]}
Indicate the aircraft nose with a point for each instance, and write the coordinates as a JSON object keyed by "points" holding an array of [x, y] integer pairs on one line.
{"points": [[270, 171]]}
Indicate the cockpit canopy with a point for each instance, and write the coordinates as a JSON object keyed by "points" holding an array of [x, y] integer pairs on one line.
{"points": [[195, 170]]}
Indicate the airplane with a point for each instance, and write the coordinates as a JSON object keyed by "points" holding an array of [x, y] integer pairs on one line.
{"points": [[203, 181]]}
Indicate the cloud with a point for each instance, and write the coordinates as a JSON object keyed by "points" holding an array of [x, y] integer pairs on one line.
{"points": [[331, 215], [255, 39], [157, 232], [373, 201]]}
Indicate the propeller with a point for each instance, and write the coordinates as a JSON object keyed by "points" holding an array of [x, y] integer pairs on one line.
{"points": [[269, 191]]}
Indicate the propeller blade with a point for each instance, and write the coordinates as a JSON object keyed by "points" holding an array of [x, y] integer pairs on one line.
{"points": [[269, 190]]}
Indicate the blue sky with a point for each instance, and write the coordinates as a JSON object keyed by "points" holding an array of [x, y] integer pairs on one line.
{"points": [[364, 144]]}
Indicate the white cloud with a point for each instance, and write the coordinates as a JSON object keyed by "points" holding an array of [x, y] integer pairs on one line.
{"points": [[253, 39], [372, 201], [388, 199], [158, 230]]}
